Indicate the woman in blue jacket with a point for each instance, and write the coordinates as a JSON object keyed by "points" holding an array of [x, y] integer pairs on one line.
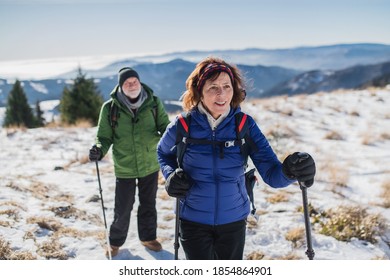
{"points": [[210, 181]]}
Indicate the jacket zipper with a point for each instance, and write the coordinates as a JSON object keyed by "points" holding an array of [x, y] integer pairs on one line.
{"points": [[216, 181]]}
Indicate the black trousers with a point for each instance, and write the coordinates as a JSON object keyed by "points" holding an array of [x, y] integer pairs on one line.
{"points": [[205, 242], [124, 201]]}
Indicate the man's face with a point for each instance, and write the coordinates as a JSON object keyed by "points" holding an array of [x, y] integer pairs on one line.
{"points": [[131, 87]]}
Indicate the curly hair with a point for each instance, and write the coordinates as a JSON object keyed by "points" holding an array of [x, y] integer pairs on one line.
{"points": [[196, 79]]}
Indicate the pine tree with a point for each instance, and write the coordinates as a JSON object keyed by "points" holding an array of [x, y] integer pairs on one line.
{"points": [[40, 120], [18, 111], [82, 101]]}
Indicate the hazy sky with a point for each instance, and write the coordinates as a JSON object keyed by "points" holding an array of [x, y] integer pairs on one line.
{"points": [[38, 29]]}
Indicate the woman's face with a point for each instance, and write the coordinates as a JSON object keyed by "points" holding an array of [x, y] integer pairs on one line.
{"points": [[217, 95]]}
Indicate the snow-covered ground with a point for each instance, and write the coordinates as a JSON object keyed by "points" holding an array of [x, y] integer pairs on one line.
{"points": [[49, 190]]}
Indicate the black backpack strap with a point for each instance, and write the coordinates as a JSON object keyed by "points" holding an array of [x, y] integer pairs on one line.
{"points": [[243, 136], [114, 115], [182, 134], [154, 110], [247, 146]]}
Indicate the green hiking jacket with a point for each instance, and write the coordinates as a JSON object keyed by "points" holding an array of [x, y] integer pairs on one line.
{"points": [[134, 139]]}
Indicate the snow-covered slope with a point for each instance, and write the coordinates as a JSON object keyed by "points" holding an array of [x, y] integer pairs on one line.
{"points": [[49, 190]]}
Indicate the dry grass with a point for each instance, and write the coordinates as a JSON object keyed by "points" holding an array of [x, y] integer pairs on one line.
{"points": [[12, 216], [354, 114], [45, 223], [5, 223], [296, 236], [347, 222], [7, 253], [163, 195], [80, 123], [11, 130], [69, 211], [161, 179], [334, 173], [52, 250], [255, 256], [386, 194], [372, 138], [75, 233], [13, 204], [333, 135], [169, 217], [280, 196], [290, 256], [279, 131], [68, 198], [251, 222]]}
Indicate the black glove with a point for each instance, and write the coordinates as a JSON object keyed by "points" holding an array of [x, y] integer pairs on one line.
{"points": [[300, 166], [95, 153], [177, 184]]}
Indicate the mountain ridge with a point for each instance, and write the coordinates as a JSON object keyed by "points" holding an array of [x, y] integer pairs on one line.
{"points": [[167, 74]]}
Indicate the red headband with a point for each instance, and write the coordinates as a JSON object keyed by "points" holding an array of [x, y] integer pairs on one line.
{"points": [[210, 69]]}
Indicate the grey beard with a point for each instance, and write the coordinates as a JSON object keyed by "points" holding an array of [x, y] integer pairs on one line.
{"points": [[125, 100]]}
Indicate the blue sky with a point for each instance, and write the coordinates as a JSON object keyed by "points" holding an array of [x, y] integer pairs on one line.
{"points": [[37, 29]]}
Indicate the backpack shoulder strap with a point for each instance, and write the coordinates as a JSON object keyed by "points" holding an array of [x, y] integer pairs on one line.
{"points": [[242, 131], [182, 134], [114, 115], [154, 109], [249, 145]]}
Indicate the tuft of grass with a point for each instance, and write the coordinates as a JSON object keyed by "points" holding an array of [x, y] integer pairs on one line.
{"points": [[255, 256], [169, 217], [163, 195], [334, 173], [251, 222], [7, 253], [290, 256], [11, 213], [5, 249], [52, 250], [45, 223], [296, 236], [334, 135], [371, 139], [386, 194], [347, 222], [280, 196]]}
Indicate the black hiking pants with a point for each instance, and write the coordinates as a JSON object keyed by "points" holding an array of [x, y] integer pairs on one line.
{"points": [[206, 242], [124, 201]]}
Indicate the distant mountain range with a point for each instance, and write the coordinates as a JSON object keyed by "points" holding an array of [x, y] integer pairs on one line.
{"points": [[266, 72], [320, 80]]}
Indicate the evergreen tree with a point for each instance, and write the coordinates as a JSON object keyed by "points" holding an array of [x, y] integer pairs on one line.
{"points": [[40, 120], [82, 101], [18, 111]]}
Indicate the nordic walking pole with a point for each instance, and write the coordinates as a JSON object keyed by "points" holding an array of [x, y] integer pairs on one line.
{"points": [[104, 213], [176, 244], [309, 251], [302, 185]]}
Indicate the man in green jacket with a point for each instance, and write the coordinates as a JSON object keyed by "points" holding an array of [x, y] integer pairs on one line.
{"points": [[132, 121]]}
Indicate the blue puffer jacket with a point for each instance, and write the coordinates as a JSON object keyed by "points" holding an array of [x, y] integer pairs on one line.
{"points": [[218, 195]]}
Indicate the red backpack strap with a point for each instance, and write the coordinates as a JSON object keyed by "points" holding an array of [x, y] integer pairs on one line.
{"points": [[242, 122], [183, 122]]}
